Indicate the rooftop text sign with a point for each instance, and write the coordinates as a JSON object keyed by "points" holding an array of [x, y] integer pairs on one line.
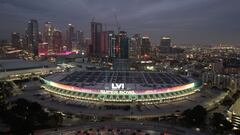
{"points": [[117, 86]]}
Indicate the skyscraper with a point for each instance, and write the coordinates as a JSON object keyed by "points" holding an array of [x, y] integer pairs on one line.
{"points": [[80, 40], [40, 37], [25, 40], [32, 33], [123, 45], [111, 44], [135, 46], [121, 63], [70, 36], [117, 46], [87, 43], [80, 36], [104, 43], [43, 49], [48, 34], [16, 39], [96, 29], [145, 47], [165, 44], [57, 42]]}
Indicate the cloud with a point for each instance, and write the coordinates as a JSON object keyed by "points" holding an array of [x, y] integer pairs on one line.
{"points": [[193, 18]]}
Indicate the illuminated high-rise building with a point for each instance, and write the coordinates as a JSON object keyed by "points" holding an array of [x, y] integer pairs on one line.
{"points": [[16, 39], [96, 29], [48, 34], [80, 39], [135, 46], [106, 43], [22, 40], [25, 40], [43, 49], [111, 44], [117, 46], [32, 33], [57, 42], [80, 36], [165, 44], [87, 44], [70, 36], [145, 47], [40, 37], [123, 45], [121, 63]]}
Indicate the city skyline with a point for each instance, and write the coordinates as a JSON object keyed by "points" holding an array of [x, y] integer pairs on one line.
{"points": [[204, 22], [120, 67]]}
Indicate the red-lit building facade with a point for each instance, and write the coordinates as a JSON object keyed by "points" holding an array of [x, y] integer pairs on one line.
{"points": [[57, 42]]}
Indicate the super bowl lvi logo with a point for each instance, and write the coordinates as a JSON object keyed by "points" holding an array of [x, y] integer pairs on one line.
{"points": [[117, 86]]}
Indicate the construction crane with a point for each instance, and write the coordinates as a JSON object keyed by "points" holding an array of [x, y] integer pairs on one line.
{"points": [[93, 19], [117, 23]]}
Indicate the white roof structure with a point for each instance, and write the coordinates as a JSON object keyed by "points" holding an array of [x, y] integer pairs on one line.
{"points": [[20, 64], [15, 67]]}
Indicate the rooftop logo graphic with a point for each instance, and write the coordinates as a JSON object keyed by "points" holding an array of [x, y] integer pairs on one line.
{"points": [[117, 86]]}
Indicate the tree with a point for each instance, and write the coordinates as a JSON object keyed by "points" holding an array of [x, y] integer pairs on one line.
{"points": [[195, 116], [55, 119], [23, 116], [227, 101], [219, 123]]}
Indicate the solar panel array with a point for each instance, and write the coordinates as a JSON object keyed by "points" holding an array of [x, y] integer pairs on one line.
{"points": [[124, 77]]}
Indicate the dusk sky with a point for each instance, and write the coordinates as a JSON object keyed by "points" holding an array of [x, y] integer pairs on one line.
{"points": [[186, 21]]}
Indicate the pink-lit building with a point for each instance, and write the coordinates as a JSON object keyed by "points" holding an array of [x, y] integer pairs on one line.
{"points": [[43, 49]]}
